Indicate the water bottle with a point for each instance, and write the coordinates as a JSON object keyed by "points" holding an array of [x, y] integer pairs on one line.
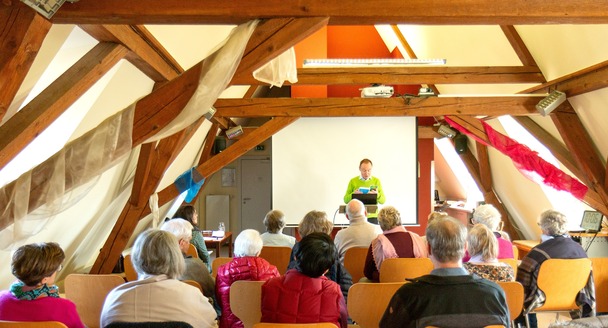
{"points": [[221, 228]]}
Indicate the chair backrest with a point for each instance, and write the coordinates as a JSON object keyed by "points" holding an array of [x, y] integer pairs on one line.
{"points": [[192, 251], [130, 273], [600, 278], [295, 325], [217, 262], [368, 301], [246, 301], [277, 256], [31, 324], [399, 269], [156, 324], [514, 291], [561, 280], [193, 283], [512, 262], [515, 252], [88, 292], [354, 262]]}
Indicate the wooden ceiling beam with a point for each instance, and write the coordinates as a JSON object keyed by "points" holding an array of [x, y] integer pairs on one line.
{"points": [[147, 54], [154, 159], [346, 107], [292, 32], [348, 12], [22, 31], [410, 75], [586, 80], [232, 153], [427, 132], [45, 108], [520, 48]]}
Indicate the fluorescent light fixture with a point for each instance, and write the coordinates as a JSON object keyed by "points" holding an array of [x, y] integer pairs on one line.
{"points": [[46, 8], [550, 102], [234, 132], [358, 62]]}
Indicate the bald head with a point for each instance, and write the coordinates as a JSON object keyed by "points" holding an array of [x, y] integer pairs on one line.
{"points": [[355, 210]]}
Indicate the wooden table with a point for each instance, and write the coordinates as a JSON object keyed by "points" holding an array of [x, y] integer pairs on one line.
{"points": [[524, 246], [215, 242]]}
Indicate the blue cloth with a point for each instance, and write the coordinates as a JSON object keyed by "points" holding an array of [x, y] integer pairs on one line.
{"points": [[190, 181]]}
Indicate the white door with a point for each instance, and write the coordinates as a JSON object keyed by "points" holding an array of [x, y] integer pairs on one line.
{"points": [[256, 192]]}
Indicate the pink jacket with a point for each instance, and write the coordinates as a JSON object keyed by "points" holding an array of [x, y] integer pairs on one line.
{"points": [[41, 309], [240, 268]]}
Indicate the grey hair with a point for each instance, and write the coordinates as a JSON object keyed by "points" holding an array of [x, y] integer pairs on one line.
{"points": [[274, 221], [482, 241], [488, 215], [315, 221], [447, 237], [355, 209], [180, 228], [248, 243], [553, 223], [156, 252], [388, 218]]}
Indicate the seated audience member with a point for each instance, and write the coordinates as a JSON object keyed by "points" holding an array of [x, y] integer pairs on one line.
{"points": [[188, 213], [394, 242], [195, 268], [157, 296], [483, 249], [246, 265], [489, 216], [449, 296], [316, 221], [359, 233], [556, 244], [34, 297], [304, 294], [274, 221]]}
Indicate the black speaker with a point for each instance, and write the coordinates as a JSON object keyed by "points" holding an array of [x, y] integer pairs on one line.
{"points": [[219, 145], [460, 143]]}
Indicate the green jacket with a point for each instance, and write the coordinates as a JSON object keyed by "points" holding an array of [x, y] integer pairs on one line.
{"points": [[356, 182]]}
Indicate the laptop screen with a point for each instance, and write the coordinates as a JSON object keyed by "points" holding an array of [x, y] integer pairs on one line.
{"points": [[367, 199], [592, 221]]}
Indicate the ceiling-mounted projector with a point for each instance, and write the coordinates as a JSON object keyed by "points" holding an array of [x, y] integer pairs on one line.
{"points": [[377, 91]]}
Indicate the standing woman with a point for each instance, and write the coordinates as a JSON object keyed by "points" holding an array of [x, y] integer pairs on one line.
{"points": [[188, 213], [34, 297]]}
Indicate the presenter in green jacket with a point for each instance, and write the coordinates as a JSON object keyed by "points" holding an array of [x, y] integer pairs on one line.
{"points": [[365, 183]]}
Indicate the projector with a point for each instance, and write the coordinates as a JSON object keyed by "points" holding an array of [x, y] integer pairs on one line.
{"points": [[377, 91]]}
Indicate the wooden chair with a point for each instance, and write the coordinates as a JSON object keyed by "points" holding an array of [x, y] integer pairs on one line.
{"points": [[600, 278], [368, 301], [354, 262], [32, 324], [192, 251], [277, 256], [513, 263], [515, 252], [561, 280], [399, 269], [246, 301], [193, 283], [130, 273], [514, 292], [217, 262], [88, 292], [295, 325]]}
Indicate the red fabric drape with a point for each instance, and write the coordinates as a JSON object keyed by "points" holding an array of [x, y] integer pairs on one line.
{"points": [[526, 160]]}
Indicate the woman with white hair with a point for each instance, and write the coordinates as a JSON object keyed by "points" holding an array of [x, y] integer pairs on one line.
{"points": [[246, 265], [556, 244], [489, 216], [483, 248], [157, 296]]}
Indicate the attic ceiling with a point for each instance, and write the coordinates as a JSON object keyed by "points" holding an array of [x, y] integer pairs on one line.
{"points": [[510, 83]]}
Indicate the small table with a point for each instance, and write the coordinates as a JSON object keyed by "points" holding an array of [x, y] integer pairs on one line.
{"points": [[216, 242]]}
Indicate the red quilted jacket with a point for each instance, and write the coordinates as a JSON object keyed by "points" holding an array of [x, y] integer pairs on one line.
{"points": [[240, 268], [297, 298]]}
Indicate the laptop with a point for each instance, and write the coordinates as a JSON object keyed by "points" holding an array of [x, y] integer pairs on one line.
{"points": [[366, 199], [592, 221]]}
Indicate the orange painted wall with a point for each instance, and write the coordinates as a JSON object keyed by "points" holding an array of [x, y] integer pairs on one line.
{"points": [[315, 46]]}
